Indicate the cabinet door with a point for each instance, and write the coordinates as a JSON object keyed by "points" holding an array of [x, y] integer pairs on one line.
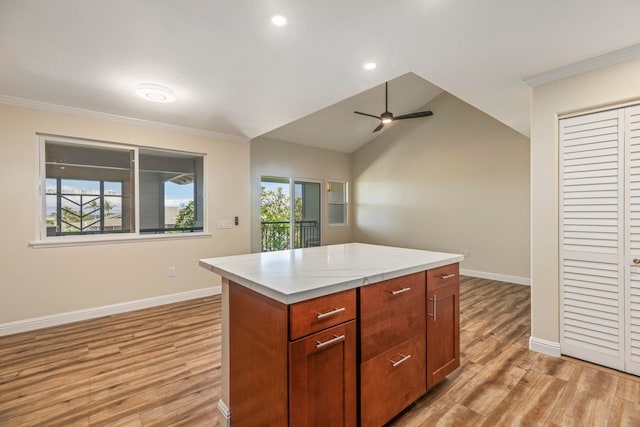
{"points": [[322, 378], [392, 381], [443, 331]]}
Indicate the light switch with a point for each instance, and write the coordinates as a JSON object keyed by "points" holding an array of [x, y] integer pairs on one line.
{"points": [[225, 223]]}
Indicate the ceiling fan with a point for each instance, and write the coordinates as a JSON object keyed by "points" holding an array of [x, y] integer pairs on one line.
{"points": [[388, 117]]}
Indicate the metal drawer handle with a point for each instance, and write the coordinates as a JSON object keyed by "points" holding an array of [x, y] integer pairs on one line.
{"points": [[335, 339], [636, 261], [399, 291], [330, 313], [404, 359], [434, 300], [448, 276]]}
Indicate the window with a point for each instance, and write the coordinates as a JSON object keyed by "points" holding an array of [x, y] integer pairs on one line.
{"points": [[171, 196], [337, 203], [90, 188], [289, 222]]}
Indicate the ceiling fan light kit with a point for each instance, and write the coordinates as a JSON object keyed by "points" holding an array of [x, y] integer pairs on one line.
{"points": [[388, 117]]}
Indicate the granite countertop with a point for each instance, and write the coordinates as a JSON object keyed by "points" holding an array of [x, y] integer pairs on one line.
{"points": [[300, 274]]}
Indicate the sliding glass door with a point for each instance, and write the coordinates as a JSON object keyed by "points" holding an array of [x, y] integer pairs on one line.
{"points": [[290, 213]]}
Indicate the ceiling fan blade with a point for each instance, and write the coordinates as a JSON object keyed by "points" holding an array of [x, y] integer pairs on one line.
{"points": [[414, 115], [369, 115], [380, 126]]}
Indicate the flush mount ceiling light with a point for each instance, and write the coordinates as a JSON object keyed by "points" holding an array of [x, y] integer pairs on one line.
{"points": [[370, 66], [278, 20], [155, 93]]}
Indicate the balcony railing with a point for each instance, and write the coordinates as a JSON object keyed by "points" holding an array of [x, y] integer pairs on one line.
{"points": [[276, 234]]}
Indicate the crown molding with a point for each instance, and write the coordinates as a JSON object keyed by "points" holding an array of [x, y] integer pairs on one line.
{"points": [[612, 58], [45, 106]]}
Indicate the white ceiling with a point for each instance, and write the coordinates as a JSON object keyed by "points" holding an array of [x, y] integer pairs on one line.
{"points": [[235, 73]]}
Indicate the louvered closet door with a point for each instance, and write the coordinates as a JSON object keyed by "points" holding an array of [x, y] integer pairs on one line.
{"points": [[632, 233], [591, 238]]}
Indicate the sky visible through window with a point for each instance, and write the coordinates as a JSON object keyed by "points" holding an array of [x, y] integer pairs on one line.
{"points": [[270, 186], [176, 195]]}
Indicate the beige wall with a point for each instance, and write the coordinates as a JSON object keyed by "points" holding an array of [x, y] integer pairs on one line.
{"points": [[595, 90], [282, 159], [46, 281], [458, 180]]}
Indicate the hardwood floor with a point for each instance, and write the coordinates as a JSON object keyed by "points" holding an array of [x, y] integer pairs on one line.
{"points": [[502, 383], [161, 366], [154, 367]]}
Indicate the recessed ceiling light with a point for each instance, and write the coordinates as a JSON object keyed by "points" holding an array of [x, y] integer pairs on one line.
{"points": [[155, 93], [370, 66], [278, 20]]}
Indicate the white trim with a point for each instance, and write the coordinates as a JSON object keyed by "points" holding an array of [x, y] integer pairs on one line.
{"points": [[612, 58], [45, 106], [224, 414], [496, 276], [107, 239], [550, 348], [107, 310]]}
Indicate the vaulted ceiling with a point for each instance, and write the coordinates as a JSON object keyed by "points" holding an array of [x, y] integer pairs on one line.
{"points": [[233, 72]]}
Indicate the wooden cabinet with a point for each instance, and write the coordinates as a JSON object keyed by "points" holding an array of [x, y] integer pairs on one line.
{"points": [[258, 366], [391, 312], [322, 378], [316, 314], [322, 366], [370, 351], [392, 343], [292, 364], [391, 381], [443, 323]]}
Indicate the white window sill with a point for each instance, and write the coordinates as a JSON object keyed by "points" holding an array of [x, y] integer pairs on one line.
{"points": [[55, 242]]}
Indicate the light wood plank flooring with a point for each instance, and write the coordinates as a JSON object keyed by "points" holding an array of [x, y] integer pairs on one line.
{"points": [[502, 383], [154, 367], [161, 367]]}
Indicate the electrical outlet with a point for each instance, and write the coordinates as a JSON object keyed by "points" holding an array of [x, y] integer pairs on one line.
{"points": [[172, 272], [466, 253]]}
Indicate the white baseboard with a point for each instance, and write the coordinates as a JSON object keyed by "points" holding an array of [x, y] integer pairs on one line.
{"points": [[495, 276], [107, 310], [224, 414], [539, 345]]}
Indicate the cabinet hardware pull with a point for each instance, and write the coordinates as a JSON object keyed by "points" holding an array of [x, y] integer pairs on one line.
{"points": [[330, 313], [636, 261], [434, 300], [333, 340], [404, 359], [399, 291], [448, 276]]}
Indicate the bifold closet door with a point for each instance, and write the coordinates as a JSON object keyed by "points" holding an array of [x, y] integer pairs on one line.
{"points": [[632, 234], [591, 238]]}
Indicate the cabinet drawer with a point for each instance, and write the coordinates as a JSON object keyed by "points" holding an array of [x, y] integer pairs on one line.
{"points": [[307, 317], [443, 276], [392, 381], [390, 313]]}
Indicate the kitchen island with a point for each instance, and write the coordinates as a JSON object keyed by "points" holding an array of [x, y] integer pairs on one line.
{"points": [[334, 335]]}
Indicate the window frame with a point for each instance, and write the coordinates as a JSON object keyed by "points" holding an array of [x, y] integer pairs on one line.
{"points": [[42, 240], [344, 204]]}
